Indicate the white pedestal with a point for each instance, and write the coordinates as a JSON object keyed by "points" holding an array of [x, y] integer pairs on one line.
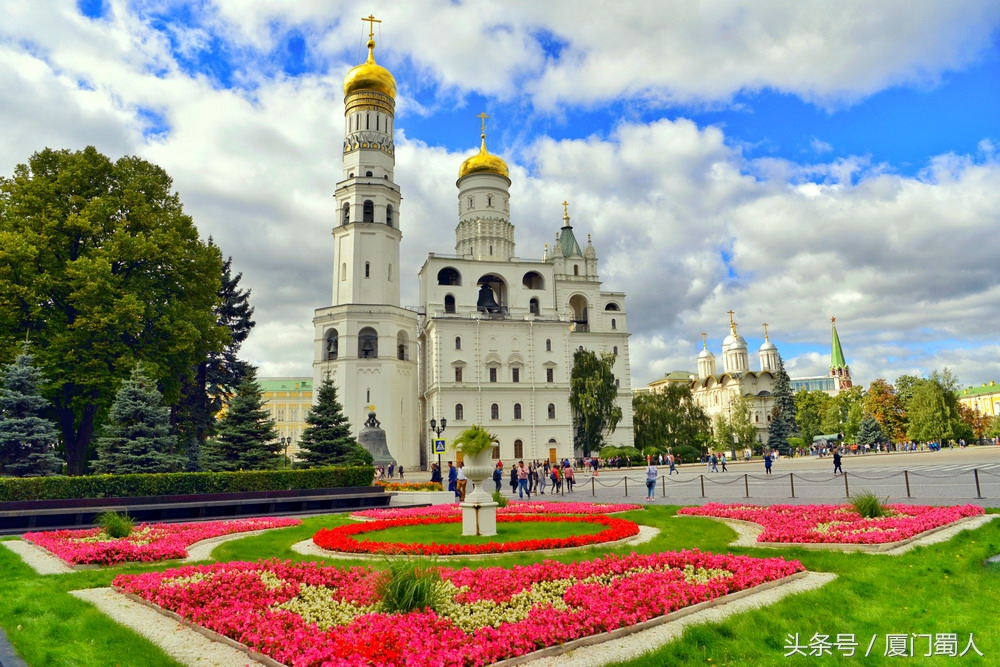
{"points": [[479, 518]]}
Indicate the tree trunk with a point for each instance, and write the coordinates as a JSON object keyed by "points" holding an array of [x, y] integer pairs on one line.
{"points": [[76, 440]]}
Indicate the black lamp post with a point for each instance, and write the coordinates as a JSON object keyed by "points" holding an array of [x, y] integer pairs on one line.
{"points": [[286, 441], [438, 430]]}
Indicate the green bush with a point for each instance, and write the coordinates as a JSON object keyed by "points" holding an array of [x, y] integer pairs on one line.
{"points": [[499, 499], [409, 585], [114, 524], [687, 454], [181, 483], [869, 505]]}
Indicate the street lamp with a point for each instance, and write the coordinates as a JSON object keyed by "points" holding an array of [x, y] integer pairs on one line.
{"points": [[286, 441], [438, 430]]}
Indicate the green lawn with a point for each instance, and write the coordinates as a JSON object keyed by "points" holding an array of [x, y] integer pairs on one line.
{"points": [[944, 588]]}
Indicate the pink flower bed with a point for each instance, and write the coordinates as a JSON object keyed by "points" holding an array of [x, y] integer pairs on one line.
{"points": [[513, 508], [839, 524], [342, 538], [148, 542], [306, 614]]}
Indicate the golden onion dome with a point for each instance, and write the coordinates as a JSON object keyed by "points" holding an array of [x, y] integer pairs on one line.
{"points": [[484, 163], [369, 75]]}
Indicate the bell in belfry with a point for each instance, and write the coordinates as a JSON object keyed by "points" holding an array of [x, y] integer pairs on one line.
{"points": [[487, 303]]}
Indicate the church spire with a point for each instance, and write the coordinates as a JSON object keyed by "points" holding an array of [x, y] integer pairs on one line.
{"points": [[838, 364]]}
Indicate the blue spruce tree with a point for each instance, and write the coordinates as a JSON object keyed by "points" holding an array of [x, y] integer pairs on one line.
{"points": [[27, 440]]}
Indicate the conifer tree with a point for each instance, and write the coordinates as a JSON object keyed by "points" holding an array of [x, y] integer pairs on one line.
{"points": [[328, 440], [783, 424], [27, 440], [870, 432], [137, 438], [246, 435]]}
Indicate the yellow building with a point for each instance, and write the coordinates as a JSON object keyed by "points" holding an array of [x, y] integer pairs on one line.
{"points": [[289, 400], [984, 399]]}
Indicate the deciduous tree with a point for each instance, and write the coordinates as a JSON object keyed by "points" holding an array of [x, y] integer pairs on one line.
{"points": [[883, 403], [593, 399], [669, 419], [100, 263]]}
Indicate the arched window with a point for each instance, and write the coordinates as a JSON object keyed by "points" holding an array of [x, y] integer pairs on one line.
{"points": [[618, 383], [615, 350], [347, 214], [449, 304], [576, 270], [552, 410], [368, 343], [494, 411], [368, 269], [332, 344], [517, 411], [489, 201], [368, 212], [402, 346], [612, 306], [548, 344], [518, 449], [368, 173], [614, 323], [459, 412], [533, 307], [458, 342], [533, 280], [343, 271], [458, 373], [449, 276], [388, 215], [389, 273]]}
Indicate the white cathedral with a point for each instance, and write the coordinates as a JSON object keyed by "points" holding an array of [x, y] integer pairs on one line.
{"points": [[493, 338]]}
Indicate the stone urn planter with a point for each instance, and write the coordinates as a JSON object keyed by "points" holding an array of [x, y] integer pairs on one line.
{"points": [[479, 512]]}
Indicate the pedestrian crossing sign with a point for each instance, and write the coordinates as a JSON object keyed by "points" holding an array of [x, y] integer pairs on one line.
{"points": [[439, 446]]}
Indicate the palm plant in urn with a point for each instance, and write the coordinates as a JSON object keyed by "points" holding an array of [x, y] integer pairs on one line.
{"points": [[479, 512]]}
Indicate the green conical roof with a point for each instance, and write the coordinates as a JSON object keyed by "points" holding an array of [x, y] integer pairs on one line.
{"points": [[566, 239], [837, 352]]}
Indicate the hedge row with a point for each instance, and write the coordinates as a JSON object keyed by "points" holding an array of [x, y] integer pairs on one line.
{"points": [[180, 483]]}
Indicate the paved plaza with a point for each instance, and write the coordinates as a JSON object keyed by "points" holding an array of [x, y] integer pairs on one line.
{"points": [[948, 477]]}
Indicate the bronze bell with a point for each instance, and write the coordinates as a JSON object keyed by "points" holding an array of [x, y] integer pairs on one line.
{"points": [[487, 303]]}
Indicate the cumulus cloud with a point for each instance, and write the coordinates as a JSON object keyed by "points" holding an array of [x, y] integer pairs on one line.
{"points": [[683, 221]]}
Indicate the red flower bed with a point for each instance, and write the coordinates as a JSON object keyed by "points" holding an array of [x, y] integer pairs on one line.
{"points": [[836, 524], [305, 614], [343, 539]]}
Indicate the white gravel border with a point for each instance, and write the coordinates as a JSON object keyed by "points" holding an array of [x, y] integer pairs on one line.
{"points": [[175, 638]]}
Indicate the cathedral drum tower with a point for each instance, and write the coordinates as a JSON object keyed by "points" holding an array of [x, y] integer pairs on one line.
{"points": [[365, 341]]}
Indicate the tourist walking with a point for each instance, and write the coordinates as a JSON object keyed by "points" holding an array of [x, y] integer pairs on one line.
{"points": [[400, 472], [651, 473], [767, 463], [836, 462], [461, 482], [556, 483], [722, 460], [452, 479], [498, 476], [522, 480], [543, 479], [513, 479], [569, 476], [714, 463], [435, 473], [673, 465]]}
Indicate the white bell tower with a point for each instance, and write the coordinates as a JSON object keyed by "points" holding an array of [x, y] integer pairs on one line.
{"points": [[366, 341]]}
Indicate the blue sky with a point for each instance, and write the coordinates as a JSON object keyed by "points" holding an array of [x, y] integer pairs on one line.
{"points": [[789, 160]]}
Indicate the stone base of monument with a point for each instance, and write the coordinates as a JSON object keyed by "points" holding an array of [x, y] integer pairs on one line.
{"points": [[479, 518], [409, 498]]}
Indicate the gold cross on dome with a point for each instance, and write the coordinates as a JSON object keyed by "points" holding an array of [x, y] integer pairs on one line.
{"points": [[704, 339], [482, 117], [765, 330], [371, 24], [565, 210]]}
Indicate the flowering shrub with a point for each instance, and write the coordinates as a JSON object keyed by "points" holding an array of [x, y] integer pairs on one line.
{"points": [[148, 541], [409, 486], [514, 507], [311, 614], [836, 523], [342, 537]]}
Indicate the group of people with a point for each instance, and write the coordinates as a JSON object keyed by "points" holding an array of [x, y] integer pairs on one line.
{"points": [[389, 471], [534, 477]]}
